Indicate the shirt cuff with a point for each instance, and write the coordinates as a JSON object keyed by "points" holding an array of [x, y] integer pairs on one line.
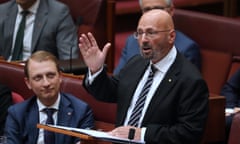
{"points": [[90, 77], [143, 131]]}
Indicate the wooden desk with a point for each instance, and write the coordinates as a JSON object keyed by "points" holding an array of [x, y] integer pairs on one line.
{"points": [[85, 139]]}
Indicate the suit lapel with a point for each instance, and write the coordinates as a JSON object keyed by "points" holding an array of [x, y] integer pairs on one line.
{"points": [[164, 88], [40, 20], [134, 76], [9, 25], [64, 116], [32, 118]]}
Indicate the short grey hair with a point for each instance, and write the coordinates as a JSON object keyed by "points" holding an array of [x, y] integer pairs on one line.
{"points": [[168, 2]]}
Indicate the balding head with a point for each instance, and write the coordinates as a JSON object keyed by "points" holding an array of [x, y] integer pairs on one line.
{"points": [[155, 34], [157, 18]]}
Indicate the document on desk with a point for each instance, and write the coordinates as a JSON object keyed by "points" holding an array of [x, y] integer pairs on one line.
{"points": [[98, 134]]}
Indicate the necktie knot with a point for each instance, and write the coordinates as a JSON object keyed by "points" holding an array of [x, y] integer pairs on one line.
{"points": [[25, 13], [49, 111], [153, 69]]}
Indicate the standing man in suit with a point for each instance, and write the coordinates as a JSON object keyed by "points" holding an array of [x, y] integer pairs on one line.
{"points": [[49, 26], [176, 106], [184, 44], [5, 103], [43, 77]]}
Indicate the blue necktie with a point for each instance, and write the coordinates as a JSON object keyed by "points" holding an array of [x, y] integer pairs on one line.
{"points": [[18, 46], [49, 137], [137, 110]]}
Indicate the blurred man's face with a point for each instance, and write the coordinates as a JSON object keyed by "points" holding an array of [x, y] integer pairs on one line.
{"points": [[25, 4], [156, 4]]}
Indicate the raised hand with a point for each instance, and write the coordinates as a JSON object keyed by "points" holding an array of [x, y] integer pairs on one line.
{"points": [[92, 55]]}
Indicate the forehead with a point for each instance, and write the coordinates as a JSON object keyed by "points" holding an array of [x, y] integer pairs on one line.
{"points": [[152, 3], [41, 67], [150, 22]]}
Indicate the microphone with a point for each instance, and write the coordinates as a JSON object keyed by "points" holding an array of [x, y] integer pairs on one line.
{"points": [[79, 20], [70, 60]]}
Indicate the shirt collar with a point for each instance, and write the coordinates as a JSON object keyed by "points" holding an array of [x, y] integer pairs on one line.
{"points": [[32, 9], [164, 64], [41, 106]]}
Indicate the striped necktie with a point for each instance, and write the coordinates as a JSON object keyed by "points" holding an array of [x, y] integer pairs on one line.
{"points": [[49, 137], [137, 110]]}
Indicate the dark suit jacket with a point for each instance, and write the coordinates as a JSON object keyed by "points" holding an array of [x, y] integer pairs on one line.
{"points": [[231, 90], [184, 45], [53, 31], [23, 118], [178, 110], [5, 102]]}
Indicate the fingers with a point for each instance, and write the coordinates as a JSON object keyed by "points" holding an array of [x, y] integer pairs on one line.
{"points": [[84, 42], [88, 41], [93, 41]]}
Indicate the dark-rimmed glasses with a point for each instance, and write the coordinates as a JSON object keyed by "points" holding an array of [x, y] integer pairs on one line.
{"points": [[155, 7], [148, 34]]}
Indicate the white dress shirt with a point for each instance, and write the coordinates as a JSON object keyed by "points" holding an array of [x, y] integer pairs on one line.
{"points": [[28, 32], [43, 117]]}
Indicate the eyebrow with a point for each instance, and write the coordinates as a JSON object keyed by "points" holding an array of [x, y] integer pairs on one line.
{"points": [[155, 7]]}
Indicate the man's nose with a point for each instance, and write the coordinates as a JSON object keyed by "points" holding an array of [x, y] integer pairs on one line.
{"points": [[45, 80]]}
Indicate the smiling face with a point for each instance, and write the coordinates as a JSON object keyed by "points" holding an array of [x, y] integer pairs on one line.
{"points": [[44, 79], [157, 34]]}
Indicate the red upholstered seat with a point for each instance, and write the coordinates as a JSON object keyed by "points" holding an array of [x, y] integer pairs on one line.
{"points": [[12, 75], [215, 69], [185, 3], [95, 16], [17, 98], [2, 1], [119, 44], [234, 66], [127, 7], [211, 32]]}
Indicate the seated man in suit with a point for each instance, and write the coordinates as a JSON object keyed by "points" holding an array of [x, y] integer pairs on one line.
{"points": [[43, 77], [184, 44], [159, 94], [27, 26], [5, 102], [231, 90]]}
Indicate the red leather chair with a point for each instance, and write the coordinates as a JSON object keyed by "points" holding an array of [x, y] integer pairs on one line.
{"points": [[95, 16], [17, 98]]}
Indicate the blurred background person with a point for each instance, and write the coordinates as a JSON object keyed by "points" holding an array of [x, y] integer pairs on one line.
{"points": [[27, 26], [183, 43]]}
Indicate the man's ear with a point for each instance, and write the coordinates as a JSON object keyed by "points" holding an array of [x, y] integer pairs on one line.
{"points": [[172, 36], [27, 83], [60, 77]]}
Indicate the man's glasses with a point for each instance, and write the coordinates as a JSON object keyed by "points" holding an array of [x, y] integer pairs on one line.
{"points": [[151, 8], [148, 34]]}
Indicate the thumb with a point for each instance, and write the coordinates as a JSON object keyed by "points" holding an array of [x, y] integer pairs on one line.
{"points": [[106, 48]]}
